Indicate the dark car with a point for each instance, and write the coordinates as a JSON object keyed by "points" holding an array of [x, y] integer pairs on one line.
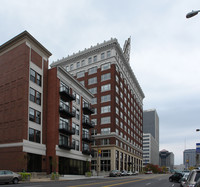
{"points": [[175, 177], [115, 173], [7, 176]]}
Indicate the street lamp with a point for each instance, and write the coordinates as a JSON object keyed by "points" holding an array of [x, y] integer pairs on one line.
{"points": [[193, 13]]}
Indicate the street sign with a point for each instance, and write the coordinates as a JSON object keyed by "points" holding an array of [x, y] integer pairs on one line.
{"points": [[197, 147]]}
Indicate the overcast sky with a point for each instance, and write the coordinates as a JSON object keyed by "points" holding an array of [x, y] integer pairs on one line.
{"points": [[165, 50]]}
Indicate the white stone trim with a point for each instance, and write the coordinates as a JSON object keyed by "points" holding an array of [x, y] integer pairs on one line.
{"points": [[35, 148], [19, 144], [29, 147]]}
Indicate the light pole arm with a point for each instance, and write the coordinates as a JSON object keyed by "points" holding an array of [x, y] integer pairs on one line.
{"points": [[193, 13]]}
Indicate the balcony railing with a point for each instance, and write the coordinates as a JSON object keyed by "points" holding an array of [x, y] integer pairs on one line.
{"points": [[87, 123], [65, 145], [87, 138], [65, 111], [65, 128], [87, 109], [86, 151], [65, 94]]}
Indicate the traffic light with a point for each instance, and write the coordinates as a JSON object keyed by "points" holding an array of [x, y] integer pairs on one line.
{"points": [[99, 152]]}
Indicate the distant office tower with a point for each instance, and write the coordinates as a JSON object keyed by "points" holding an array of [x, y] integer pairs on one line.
{"points": [[150, 137], [166, 159], [189, 158], [105, 70]]}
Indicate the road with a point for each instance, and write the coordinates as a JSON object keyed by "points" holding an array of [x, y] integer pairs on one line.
{"points": [[130, 181]]}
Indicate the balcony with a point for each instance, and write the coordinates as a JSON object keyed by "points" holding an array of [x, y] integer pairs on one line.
{"points": [[66, 129], [86, 152], [87, 109], [65, 94], [66, 112], [66, 145], [87, 138], [87, 123]]}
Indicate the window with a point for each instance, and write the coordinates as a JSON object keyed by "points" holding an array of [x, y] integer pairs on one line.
{"points": [[77, 114], [117, 121], [78, 64], [64, 140], [75, 128], [102, 56], [80, 74], [95, 59], [105, 131], [94, 101], [34, 115], [108, 54], [92, 80], [105, 120], [92, 70], [105, 77], [82, 82], [105, 87], [105, 142], [95, 121], [105, 98], [117, 68], [75, 144], [34, 135], [67, 68], [117, 110], [117, 142], [95, 111], [93, 90], [117, 100], [77, 98], [117, 89], [83, 63], [105, 66], [105, 109], [35, 77], [71, 66], [117, 78], [89, 60], [35, 96]]}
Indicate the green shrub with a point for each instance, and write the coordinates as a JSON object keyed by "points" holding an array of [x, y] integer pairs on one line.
{"points": [[25, 176], [55, 176], [88, 174]]}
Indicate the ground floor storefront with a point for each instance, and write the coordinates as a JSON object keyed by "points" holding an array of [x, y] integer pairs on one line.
{"points": [[111, 158], [73, 166]]}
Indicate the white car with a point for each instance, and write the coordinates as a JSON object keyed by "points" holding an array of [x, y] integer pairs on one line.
{"points": [[130, 173]]}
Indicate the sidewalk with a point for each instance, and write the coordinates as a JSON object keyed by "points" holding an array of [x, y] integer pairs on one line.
{"points": [[63, 178]]}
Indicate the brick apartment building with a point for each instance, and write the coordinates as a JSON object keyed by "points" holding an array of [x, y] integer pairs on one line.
{"points": [[44, 114], [118, 102]]}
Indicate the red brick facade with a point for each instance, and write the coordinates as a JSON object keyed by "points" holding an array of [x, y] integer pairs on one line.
{"points": [[14, 100]]}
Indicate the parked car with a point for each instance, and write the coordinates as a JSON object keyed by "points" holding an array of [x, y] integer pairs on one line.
{"points": [[115, 173], [7, 176], [175, 177], [184, 179], [135, 173], [148, 172], [124, 173], [193, 177], [130, 173]]}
